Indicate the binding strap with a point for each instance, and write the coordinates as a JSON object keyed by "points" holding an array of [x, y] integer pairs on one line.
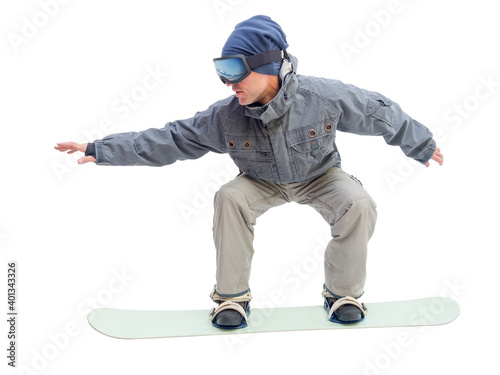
{"points": [[347, 301], [216, 297], [228, 305]]}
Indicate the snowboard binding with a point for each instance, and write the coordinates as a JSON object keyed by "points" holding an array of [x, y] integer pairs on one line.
{"points": [[231, 313], [346, 310]]}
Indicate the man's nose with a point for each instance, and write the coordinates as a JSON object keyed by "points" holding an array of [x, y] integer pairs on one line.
{"points": [[228, 84]]}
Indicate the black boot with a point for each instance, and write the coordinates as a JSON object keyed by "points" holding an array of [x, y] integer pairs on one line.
{"points": [[231, 319], [346, 313]]}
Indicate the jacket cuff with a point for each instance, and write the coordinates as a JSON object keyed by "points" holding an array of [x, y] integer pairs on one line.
{"points": [[90, 151], [99, 152], [429, 152]]}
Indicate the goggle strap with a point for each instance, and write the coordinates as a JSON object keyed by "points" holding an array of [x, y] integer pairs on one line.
{"points": [[264, 58]]}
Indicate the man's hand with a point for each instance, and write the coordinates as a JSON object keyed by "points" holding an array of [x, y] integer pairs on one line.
{"points": [[72, 147], [437, 157]]}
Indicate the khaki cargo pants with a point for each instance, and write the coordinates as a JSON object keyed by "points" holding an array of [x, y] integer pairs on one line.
{"points": [[337, 197]]}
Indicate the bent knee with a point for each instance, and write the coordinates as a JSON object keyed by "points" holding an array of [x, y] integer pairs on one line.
{"points": [[360, 208], [229, 194]]}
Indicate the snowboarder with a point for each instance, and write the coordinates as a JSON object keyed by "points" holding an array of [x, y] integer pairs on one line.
{"points": [[279, 128]]}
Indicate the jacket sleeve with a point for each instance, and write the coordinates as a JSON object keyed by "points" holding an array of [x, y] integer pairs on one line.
{"points": [[179, 140], [366, 112]]}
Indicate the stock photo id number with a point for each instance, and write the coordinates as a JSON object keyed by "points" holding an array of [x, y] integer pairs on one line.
{"points": [[11, 313]]}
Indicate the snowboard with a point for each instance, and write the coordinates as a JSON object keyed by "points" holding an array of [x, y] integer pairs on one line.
{"points": [[146, 324]]}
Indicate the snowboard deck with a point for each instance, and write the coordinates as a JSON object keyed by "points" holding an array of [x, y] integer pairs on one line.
{"points": [[145, 324]]}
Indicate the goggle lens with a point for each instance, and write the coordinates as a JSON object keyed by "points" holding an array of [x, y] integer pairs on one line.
{"points": [[231, 70], [236, 68]]}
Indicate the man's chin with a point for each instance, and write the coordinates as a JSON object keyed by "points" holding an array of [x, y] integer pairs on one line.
{"points": [[243, 101]]}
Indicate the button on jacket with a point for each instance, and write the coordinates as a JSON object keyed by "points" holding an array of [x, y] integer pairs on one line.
{"points": [[290, 139]]}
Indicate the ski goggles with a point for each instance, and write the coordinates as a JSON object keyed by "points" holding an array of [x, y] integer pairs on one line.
{"points": [[234, 69]]}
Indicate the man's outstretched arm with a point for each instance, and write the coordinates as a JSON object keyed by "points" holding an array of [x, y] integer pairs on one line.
{"points": [[178, 140]]}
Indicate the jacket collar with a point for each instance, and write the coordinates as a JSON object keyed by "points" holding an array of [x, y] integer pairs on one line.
{"points": [[278, 106]]}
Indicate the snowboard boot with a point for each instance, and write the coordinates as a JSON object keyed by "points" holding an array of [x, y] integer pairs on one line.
{"points": [[348, 313], [232, 312], [344, 310], [232, 318]]}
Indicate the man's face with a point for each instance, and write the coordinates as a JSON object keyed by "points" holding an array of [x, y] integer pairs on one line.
{"points": [[256, 88]]}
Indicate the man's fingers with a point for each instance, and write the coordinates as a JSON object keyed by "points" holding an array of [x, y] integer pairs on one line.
{"points": [[60, 147], [437, 157], [65, 147], [86, 159], [71, 147]]}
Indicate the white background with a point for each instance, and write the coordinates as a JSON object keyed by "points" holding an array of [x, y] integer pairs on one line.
{"points": [[65, 69]]}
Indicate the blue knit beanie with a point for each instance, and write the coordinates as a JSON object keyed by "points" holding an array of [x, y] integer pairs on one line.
{"points": [[256, 35]]}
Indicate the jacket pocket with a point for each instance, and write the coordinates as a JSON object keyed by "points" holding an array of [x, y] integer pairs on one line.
{"points": [[252, 155], [380, 107], [310, 145], [316, 140]]}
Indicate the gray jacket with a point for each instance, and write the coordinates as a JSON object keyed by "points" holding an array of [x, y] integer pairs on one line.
{"points": [[290, 139]]}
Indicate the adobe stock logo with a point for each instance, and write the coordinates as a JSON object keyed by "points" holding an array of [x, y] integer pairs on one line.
{"points": [[122, 107], [461, 111], [392, 351], [373, 28], [58, 340], [455, 118], [222, 7], [32, 26]]}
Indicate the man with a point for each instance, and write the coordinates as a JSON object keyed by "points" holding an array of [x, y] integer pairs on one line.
{"points": [[279, 128]]}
